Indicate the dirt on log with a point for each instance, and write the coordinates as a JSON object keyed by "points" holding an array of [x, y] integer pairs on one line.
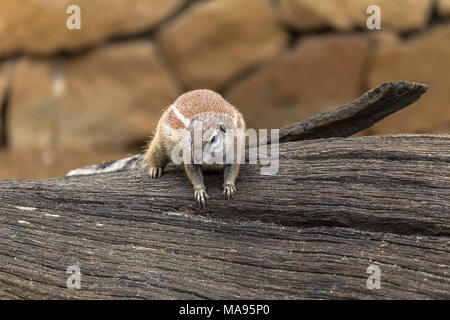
{"points": [[336, 207]]}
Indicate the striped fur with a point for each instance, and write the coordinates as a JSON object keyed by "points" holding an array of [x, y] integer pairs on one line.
{"points": [[130, 163], [196, 102], [203, 105]]}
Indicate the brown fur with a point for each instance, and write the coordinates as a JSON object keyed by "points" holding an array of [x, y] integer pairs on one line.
{"points": [[212, 110], [196, 102]]}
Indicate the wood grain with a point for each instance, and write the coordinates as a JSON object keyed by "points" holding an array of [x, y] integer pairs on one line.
{"points": [[335, 207], [358, 115]]}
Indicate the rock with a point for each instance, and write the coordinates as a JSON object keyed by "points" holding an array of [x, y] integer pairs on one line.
{"points": [[320, 73], [5, 86], [39, 26], [425, 59], [215, 40], [106, 99], [443, 7], [32, 114], [400, 15], [4, 83], [444, 128], [6, 70]]}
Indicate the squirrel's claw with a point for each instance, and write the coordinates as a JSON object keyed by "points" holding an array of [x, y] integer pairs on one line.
{"points": [[155, 172], [229, 190], [201, 197]]}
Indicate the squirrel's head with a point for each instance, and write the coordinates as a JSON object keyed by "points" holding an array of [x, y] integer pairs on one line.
{"points": [[210, 137]]}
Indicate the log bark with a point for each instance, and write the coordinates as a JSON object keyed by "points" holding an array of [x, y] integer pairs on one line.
{"points": [[335, 207], [358, 115]]}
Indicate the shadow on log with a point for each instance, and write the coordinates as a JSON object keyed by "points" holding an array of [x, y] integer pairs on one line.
{"points": [[335, 207]]}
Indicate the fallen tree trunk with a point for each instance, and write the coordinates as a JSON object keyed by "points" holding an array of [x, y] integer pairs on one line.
{"points": [[336, 207]]}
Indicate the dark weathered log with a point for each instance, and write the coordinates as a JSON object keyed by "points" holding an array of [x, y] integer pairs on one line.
{"points": [[358, 115], [335, 207]]}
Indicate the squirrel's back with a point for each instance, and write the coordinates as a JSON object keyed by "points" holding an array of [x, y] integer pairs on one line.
{"points": [[194, 104]]}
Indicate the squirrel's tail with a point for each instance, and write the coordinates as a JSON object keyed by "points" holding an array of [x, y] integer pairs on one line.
{"points": [[132, 162]]}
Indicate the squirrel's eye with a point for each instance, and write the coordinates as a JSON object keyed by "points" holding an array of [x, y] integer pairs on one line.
{"points": [[213, 139]]}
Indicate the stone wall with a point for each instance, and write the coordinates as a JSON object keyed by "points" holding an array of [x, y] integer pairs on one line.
{"points": [[105, 86]]}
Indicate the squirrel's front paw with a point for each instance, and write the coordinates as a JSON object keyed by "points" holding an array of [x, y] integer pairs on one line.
{"points": [[155, 172], [229, 190], [201, 196]]}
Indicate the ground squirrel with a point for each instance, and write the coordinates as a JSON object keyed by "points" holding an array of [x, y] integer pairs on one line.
{"points": [[220, 130]]}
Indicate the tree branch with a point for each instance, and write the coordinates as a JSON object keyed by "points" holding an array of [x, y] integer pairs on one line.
{"points": [[358, 115]]}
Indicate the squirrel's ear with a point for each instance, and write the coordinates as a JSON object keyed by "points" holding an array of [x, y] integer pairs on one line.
{"points": [[223, 128]]}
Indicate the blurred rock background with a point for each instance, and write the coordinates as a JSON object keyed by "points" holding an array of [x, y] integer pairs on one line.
{"points": [[69, 98]]}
